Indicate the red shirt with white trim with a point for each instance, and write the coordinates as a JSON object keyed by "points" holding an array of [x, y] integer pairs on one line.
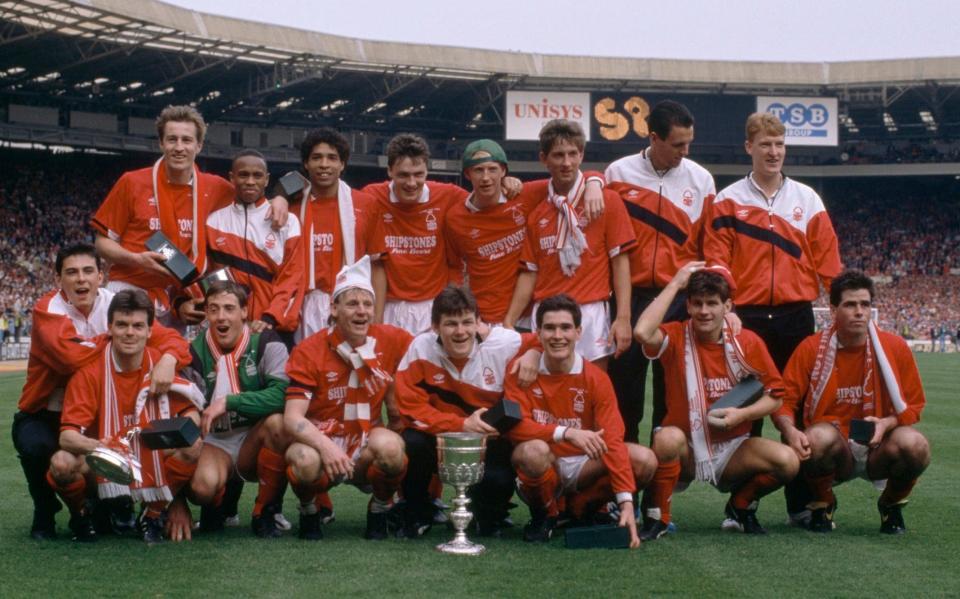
{"points": [[409, 240], [129, 215], [715, 377], [318, 374], [608, 236]]}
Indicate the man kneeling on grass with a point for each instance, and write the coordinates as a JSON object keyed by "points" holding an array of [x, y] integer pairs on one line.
{"points": [[570, 442], [338, 380], [243, 378], [103, 401], [703, 359], [852, 371]]}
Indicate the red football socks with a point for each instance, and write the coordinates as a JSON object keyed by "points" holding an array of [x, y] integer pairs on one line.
{"points": [[540, 492], [270, 473], [73, 494], [821, 489], [587, 500], [896, 491], [658, 492], [752, 490]]}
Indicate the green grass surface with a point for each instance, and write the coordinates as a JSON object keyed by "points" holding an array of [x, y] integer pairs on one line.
{"points": [[854, 561]]}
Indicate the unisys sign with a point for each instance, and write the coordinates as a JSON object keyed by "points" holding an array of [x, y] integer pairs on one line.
{"points": [[528, 111]]}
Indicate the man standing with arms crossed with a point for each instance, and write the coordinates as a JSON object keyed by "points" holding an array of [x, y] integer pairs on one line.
{"points": [[666, 195]]}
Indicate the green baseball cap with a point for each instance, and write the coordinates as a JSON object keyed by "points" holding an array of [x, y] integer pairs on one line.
{"points": [[490, 150]]}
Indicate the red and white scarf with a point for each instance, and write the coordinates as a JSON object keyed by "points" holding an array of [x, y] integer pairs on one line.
{"points": [[361, 385], [737, 369], [348, 227], [168, 216], [151, 484], [875, 363], [571, 241], [228, 378]]}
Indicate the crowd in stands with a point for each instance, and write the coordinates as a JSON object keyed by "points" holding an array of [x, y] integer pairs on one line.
{"points": [[909, 240]]}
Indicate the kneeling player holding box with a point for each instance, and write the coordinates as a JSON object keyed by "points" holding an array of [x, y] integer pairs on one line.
{"points": [[705, 359], [852, 371], [107, 398], [447, 381], [339, 378], [243, 378], [570, 441]]}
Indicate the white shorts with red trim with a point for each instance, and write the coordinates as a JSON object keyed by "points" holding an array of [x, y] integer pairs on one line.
{"points": [[413, 317]]}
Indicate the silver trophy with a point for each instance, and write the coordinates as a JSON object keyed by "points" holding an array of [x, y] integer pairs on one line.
{"points": [[117, 464], [460, 463]]}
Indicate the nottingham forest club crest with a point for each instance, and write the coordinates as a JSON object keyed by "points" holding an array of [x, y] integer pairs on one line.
{"points": [[518, 218], [430, 218], [578, 399]]}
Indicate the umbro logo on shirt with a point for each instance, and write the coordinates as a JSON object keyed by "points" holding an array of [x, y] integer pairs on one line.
{"points": [[439, 378], [474, 233], [543, 223], [536, 391], [331, 376], [742, 213], [387, 217]]}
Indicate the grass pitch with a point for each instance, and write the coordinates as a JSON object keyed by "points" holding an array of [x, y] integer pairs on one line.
{"points": [[854, 561]]}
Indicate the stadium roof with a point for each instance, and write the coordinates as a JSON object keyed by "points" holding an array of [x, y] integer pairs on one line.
{"points": [[140, 55]]}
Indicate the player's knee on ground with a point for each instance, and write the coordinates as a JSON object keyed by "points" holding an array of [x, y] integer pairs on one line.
{"points": [[304, 461], [826, 443], [388, 450], [669, 443], [912, 449], [533, 458], [644, 463], [65, 467]]}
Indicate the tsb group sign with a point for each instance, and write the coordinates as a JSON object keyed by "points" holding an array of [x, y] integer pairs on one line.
{"points": [[528, 111], [809, 121]]}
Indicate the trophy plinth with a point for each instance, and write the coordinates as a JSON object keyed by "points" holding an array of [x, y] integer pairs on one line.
{"points": [[460, 464]]}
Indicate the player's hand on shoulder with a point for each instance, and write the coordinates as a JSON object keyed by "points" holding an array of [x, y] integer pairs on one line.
{"points": [[259, 326], [593, 200], [162, 375], [279, 212], [511, 187], [526, 367]]}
